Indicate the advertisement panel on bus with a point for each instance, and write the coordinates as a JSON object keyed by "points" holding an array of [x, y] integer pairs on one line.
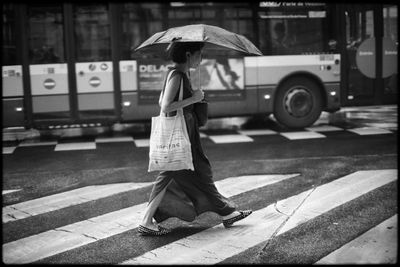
{"points": [[221, 78]]}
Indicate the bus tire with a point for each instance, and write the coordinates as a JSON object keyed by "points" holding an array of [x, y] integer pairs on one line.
{"points": [[298, 103]]}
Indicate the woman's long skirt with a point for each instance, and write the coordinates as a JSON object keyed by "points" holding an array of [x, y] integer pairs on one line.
{"points": [[190, 193]]}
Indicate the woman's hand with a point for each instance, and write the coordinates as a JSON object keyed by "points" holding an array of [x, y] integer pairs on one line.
{"points": [[198, 95]]}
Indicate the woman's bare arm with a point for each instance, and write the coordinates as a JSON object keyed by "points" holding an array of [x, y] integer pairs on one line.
{"points": [[172, 88]]}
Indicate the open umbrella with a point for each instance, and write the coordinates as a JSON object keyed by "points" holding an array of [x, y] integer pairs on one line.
{"points": [[215, 39]]}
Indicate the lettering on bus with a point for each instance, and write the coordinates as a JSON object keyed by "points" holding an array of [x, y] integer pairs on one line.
{"points": [[270, 4], [151, 74], [153, 68]]}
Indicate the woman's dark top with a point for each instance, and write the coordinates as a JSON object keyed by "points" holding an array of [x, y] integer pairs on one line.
{"points": [[187, 89]]}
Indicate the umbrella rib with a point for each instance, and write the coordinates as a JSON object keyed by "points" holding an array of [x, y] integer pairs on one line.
{"points": [[159, 37]]}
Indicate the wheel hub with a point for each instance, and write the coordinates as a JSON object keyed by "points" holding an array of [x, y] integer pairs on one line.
{"points": [[298, 102]]}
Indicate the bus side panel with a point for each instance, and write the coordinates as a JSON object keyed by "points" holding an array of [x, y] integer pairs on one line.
{"points": [[13, 114], [50, 91], [245, 105], [273, 68], [333, 98], [132, 110], [95, 86], [13, 96], [265, 97]]}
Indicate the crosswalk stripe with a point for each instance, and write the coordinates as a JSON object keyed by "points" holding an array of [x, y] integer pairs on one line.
{"points": [[338, 192], [74, 235], [230, 138], [369, 131], [58, 201], [29, 143], [217, 244], [9, 149], [142, 142], [382, 249], [257, 132], [75, 146], [5, 192], [114, 139], [324, 128], [234, 185], [302, 135]]}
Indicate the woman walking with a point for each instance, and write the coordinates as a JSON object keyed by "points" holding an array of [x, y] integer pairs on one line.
{"points": [[185, 194]]}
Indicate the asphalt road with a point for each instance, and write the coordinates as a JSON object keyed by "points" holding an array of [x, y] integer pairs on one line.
{"points": [[339, 148]]}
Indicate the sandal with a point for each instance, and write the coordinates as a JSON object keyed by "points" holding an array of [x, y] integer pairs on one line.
{"points": [[147, 231], [243, 214]]}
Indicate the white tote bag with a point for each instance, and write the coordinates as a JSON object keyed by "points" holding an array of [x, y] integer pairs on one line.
{"points": [[169, 141]]}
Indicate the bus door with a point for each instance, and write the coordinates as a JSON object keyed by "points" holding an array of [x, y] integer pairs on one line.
{"points": [[47, 63], [93, 66], [371, 67]]}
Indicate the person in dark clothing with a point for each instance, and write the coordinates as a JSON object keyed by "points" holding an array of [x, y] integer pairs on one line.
{"points": [[185, 194]]}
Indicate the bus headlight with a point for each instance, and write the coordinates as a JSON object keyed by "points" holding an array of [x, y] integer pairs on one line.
{"points": [[267, 96], [333, 93], [127, 104]]}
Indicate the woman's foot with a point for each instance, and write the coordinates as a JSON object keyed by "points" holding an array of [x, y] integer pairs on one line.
{"points": [[154, 230], [234, 217]]}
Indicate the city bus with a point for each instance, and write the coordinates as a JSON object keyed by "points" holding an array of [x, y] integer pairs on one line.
{"points": [[70, 64]]}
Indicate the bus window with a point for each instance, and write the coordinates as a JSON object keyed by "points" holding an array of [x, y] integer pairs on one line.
{"points": [[239, 20], [139, 22], [290, 28], [46, 41], [9, 48], [92, 33]]}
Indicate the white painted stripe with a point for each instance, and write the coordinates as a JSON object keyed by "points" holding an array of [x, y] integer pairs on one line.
{"points": [[66, 199], [235, 185], [230, 138], [8, 192], [65, 238], [324, 128], [377, 246], [9, 150], [27, 143], [369, 131], [217, 244], [257, 132], [337, 193], [302, 135], [75, 146], [142, 142], [114, 139]]}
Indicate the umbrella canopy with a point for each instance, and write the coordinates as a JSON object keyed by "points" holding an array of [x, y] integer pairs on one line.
{"points": [[215, 39]]}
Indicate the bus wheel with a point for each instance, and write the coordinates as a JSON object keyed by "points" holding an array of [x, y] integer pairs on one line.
{"points": [[298, 103]]}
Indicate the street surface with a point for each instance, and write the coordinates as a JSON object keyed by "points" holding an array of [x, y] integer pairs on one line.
{"points": [[321, 195]]}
